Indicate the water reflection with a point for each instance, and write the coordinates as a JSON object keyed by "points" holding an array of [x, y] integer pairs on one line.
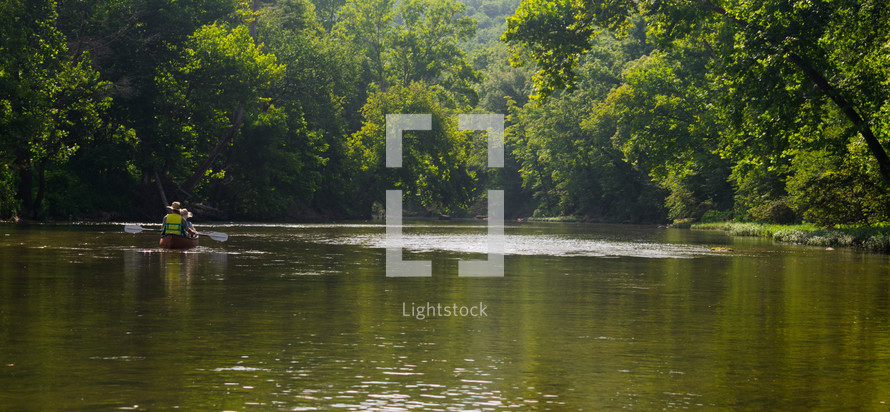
{"points": [[173, 270], [302, 318]]}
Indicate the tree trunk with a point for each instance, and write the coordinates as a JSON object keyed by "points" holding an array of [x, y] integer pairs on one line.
{"points": [[25, 189], [22, 166], [874, 146], [161, 189], [254, 9], [846, 107], [193, 181], [41, 187]]}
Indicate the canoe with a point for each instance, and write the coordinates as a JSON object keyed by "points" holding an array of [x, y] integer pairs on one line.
{"points": [[178, 242]]}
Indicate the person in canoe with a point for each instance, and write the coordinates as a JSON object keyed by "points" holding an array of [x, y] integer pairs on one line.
{"points": [[174, 222], [186, 224], [175, 234]]}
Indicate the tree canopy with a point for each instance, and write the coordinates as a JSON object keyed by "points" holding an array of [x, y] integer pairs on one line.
{"points": [[777, 78], [619, 110]]}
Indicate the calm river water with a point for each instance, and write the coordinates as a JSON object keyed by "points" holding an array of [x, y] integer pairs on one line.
{"points": [[302, 317]]}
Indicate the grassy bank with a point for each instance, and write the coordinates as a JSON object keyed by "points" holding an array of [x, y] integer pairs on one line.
{"points": [[556, 219], [876, 238]]}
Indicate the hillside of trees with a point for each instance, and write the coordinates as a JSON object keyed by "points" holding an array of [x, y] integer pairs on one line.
{"points": [[621, 111]]}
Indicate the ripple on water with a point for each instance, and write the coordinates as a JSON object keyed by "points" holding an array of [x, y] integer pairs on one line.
{"points": [[240, 368], [547, 245]]}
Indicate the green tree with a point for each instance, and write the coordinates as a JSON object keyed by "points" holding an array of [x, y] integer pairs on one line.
{"points": [[435, 176], [781, 60], [667, 127], [274, 166], [576, 171], [425, 47], [328, 12], [368, 27], [413, 41], [132, 41], [491, 22], [565, 145], [51, 101], [322, 92], [502, 83], [288, 156], [219, 76], [837, 183]]}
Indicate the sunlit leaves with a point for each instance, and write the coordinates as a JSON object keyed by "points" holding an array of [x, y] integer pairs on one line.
{"points": [[426, 48], [219, 69], [50, 101], [435, 173], [776, 75], [556, 33], [412, 41], [227, 63]]}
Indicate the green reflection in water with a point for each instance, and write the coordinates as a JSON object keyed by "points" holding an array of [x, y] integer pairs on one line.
{"points": [[302, 316]]}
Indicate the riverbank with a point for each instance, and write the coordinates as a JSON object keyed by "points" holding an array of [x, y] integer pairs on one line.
{"points": [[875, 238]]}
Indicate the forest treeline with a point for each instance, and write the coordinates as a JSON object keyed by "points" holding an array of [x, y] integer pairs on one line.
{"points": [[621, 111]]}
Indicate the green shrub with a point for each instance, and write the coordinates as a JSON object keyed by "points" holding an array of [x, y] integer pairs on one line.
{"points": [[831, 187], [8, 203], [875, 238], [774, 211], [717, 216]]}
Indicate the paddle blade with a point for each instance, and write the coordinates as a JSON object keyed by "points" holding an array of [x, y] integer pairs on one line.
{"points": [[133, 229], [217, 236]]}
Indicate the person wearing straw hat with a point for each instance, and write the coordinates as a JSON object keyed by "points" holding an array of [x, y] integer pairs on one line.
{"points": [[187, 226], [173, 221]]}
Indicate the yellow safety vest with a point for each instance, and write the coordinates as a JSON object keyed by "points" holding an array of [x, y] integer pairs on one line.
{"points": [[173, 225]]}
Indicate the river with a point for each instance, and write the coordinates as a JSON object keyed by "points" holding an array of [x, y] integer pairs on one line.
{"points": [[303, 317]]}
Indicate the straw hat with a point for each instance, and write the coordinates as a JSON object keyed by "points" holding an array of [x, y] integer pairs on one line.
{"points": [[174, 207], [185, 213]]}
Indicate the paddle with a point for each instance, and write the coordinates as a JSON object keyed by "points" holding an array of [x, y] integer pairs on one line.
{"points": [[138, 229], [220, 237]]}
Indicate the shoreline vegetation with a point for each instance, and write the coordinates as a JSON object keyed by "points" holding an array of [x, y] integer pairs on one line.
{"points": [[874, 238]]}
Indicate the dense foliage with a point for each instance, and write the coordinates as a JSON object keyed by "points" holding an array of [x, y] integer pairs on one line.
{"points": [[786, 99], [626, 111]]}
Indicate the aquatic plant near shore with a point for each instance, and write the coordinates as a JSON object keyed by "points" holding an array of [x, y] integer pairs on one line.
{"points": [[875, 238]]}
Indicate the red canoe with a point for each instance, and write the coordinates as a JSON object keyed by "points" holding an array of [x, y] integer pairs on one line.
{"points": [[178, 242]]}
